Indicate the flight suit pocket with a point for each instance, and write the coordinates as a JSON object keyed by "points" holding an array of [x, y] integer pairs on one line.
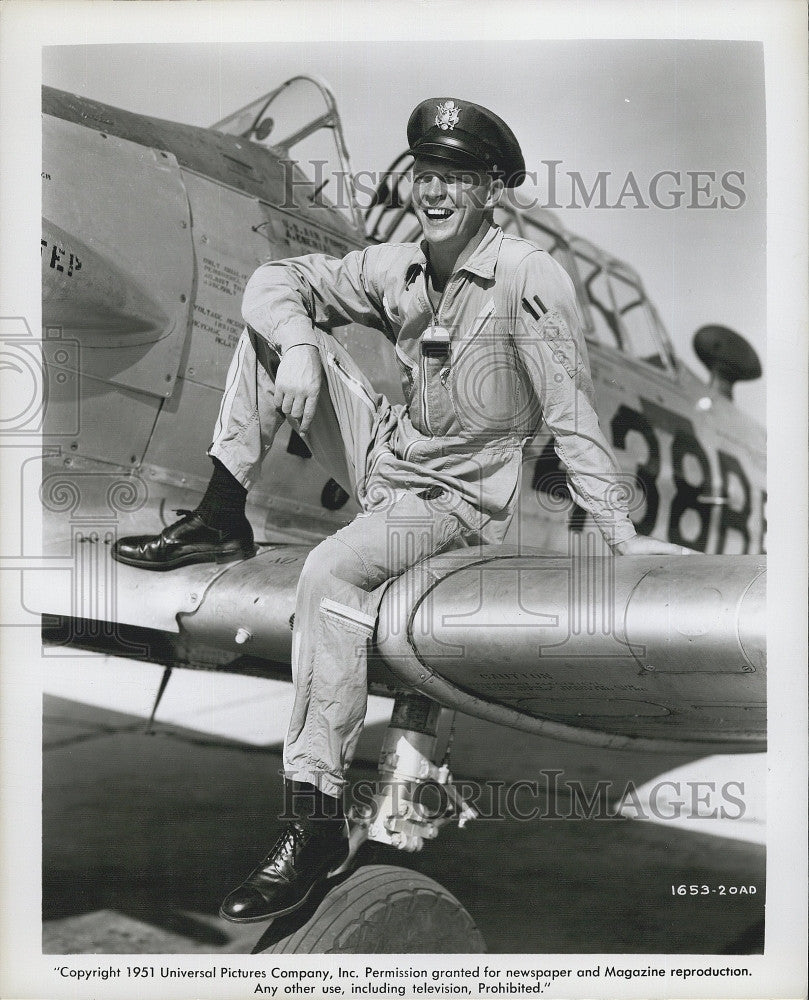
{"points": [[346, 617], [438, 378], [440, 415], [485, 386]]}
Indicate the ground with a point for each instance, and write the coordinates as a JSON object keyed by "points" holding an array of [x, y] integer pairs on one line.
{"points": [[143, 835]]}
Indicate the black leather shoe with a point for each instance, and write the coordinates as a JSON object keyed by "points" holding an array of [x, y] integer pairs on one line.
{"points": [[304, 854], [188, 540]]}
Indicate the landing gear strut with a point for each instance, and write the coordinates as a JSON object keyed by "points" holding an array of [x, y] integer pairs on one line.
{"points": [[415, 797]]}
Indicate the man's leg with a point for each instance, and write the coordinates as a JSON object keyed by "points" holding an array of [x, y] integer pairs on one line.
{"points": [[341, 437], [218, 530], [335, 614]]}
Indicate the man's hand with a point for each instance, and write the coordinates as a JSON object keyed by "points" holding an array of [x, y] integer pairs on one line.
{"points": [[297, 383], [642, 545]]}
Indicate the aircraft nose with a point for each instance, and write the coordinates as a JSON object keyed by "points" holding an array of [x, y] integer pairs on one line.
{"points": [[85, 292]]}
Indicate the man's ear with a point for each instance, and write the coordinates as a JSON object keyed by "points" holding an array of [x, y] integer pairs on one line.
{"points": [[496, 188]]}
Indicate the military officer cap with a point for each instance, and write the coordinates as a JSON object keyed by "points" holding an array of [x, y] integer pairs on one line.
{"points": [[468, 134]]}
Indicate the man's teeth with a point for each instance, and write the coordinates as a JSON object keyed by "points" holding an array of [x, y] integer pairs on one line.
{"points": [[438, 213]]}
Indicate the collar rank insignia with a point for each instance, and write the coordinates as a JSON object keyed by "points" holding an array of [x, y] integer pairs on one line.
{"points": [[447, 117]]}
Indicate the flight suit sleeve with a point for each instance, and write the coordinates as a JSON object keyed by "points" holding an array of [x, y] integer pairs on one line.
{"points": [[549, 340], [284, 300]]}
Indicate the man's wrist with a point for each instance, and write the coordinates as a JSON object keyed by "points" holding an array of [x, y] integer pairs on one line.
{"points": [[296, 331]]}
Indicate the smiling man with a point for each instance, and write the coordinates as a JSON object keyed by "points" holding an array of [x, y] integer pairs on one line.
{"points": [[489, 344]]}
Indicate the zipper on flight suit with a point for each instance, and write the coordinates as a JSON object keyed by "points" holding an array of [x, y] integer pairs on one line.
{"points": [[424, 407], [444, 373]]}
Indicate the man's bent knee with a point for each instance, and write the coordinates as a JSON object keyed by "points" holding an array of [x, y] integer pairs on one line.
{"points": [[332, 561]]}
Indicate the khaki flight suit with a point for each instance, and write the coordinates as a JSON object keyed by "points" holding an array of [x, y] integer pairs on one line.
{"points": [[443, 468]]}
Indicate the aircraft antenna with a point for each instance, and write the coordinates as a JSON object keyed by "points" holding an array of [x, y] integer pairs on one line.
{"points": [[164, 680]]}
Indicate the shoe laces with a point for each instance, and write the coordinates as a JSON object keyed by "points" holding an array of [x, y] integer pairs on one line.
{"points": [[291, 838]]}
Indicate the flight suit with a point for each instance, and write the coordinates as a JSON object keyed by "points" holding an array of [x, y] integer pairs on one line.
{"points": [[429, 474]]}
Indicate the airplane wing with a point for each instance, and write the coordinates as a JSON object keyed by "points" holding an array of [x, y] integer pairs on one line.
{"points": [[644, 651]]}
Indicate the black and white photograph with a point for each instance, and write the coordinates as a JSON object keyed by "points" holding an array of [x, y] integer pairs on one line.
{"points": [[396, 431]]}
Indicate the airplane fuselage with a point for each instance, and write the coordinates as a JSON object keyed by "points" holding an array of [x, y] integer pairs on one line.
{"points": [[151, 230]]}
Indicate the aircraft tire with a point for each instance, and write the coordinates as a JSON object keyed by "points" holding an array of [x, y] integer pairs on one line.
{"points": [[381, 909]]}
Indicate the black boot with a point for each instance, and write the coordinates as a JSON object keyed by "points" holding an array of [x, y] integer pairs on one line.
{"points": [[189, 540], [217, 531], [311, 845]]}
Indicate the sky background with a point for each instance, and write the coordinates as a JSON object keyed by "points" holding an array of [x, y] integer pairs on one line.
{"points": [[595, 105]]}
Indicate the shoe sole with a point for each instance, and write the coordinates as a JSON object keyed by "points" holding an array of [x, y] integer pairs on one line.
{"points": [[187, 560]]}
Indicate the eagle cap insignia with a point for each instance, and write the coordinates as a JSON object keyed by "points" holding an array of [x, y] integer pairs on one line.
{"points": [[447, 117]]}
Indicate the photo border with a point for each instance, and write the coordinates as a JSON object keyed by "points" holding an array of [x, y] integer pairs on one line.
{"points": [[26, 27]]}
